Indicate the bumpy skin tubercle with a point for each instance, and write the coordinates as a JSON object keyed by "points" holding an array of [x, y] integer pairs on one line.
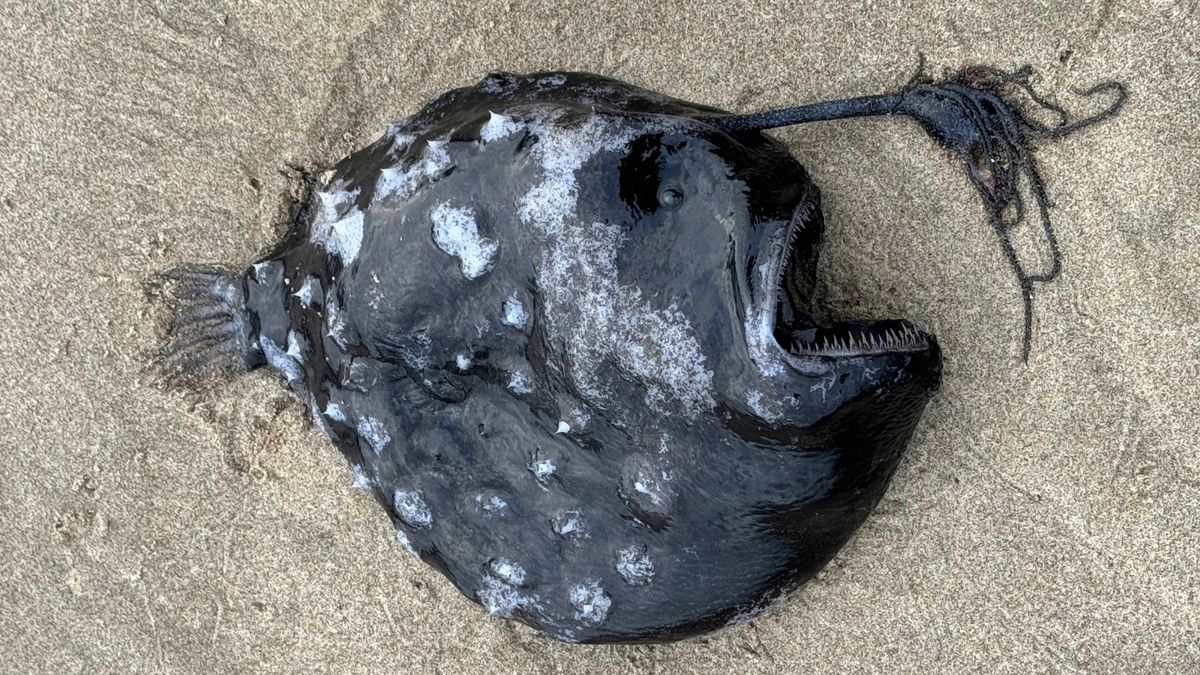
{"points": [[561, 328]]}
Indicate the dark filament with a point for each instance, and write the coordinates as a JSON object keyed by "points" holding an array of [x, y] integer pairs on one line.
{"points": [[973, 114]]}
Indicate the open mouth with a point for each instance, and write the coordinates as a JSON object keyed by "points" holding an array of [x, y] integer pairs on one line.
{"points": [[801, 338]]}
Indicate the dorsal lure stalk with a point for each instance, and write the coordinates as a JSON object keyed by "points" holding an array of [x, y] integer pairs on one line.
{"points": [[972, 113]]}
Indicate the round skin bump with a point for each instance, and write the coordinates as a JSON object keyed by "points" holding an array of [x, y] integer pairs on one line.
{"points": [[563, 328], [647, 489]]}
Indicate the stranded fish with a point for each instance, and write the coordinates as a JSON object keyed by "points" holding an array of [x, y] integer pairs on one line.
{"points": [[563, 329]]}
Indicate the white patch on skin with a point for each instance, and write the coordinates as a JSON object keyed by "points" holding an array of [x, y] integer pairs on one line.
{"points": [[310, 402], [563, 427], [550, 204], [499, 85], [542, 469], [406, 544], [371, 430], [416, 350], [499, 126], [307, 291], [374, 297], [400, 140], [514, 313], [608, 321], [600, 319], [457, 234], [412, 509], [754, 399], [338, 226], [281, 360], [591, 601], [295, 346], [824, 386], [650, 490], [491, 504], [568, 524], [259, 269], [551, 81], [634, 565], [361, 481], [654, 487], [334, 412], [462, 361], [507, 571], [579, 418], [401, 183], [518, 384], [499, 594], [501, 599], [335, 323], [871, 374]]}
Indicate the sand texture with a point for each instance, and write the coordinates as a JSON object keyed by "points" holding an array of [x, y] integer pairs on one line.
{"points": [[1045, 519]]}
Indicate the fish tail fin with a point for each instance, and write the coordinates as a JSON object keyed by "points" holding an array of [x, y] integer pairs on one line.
{"points": [[205, 330]]}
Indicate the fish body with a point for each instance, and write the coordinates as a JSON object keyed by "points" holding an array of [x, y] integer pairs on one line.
{"points": [[562, 328]]}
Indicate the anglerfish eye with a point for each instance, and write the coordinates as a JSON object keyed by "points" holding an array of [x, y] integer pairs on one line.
{"points": [[670, 197]]}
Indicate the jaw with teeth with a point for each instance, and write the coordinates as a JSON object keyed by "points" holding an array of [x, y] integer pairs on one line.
{"points": [[855, 339], [779, 331]]}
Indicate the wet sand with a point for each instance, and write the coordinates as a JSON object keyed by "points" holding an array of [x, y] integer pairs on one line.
{"points": [[1045, 519]]}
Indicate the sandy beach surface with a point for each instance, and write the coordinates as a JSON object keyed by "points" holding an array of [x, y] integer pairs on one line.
{"points": [[1045, 519]]}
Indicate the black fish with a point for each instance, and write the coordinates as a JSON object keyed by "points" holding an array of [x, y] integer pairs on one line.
{"points": [[562, 328]]}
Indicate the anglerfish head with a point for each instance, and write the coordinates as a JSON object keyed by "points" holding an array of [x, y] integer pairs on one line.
{"points": [[647, 266], [689, 268]]}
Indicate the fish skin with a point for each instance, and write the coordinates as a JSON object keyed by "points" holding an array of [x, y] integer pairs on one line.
{"points": [[701, 474]]}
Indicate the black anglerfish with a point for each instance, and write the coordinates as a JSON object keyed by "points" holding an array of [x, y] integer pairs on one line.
{"points": [[563, 328]]}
